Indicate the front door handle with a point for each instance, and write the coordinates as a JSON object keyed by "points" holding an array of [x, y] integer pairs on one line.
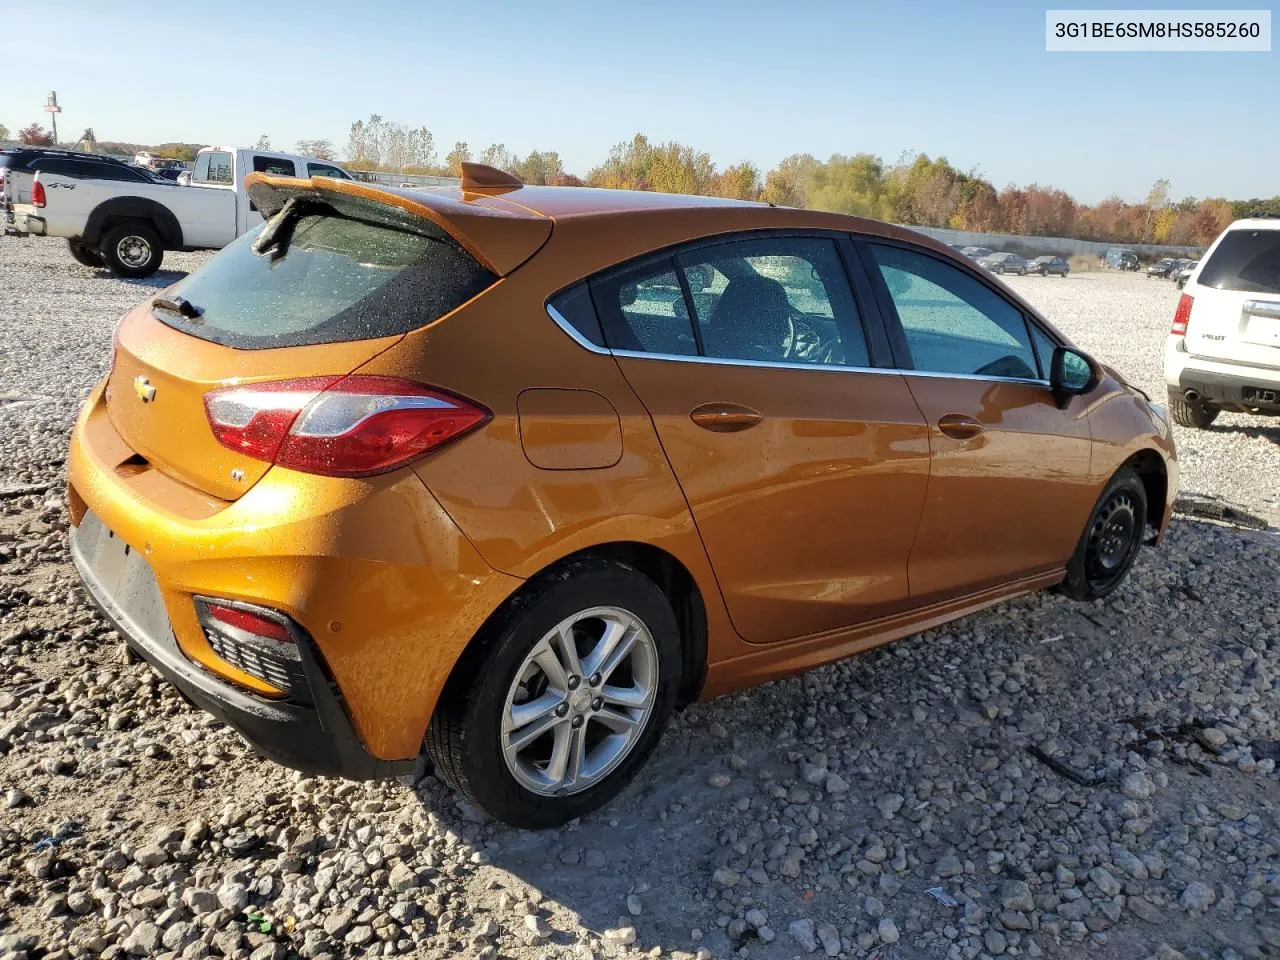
{"points": [[725, 417], [959, 427]]}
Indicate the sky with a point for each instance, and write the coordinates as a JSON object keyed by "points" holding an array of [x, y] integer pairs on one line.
{"points": [[743, 80]]}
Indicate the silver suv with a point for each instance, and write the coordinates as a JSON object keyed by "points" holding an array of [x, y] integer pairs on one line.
{"points": [[1223, 352]]}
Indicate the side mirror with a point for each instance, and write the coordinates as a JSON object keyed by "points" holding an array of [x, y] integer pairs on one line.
{"points": [[1071, 373]]}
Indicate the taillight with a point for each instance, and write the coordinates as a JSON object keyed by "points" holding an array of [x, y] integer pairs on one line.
{"points": [[339, 427], [1182, 316], [37, 194]]}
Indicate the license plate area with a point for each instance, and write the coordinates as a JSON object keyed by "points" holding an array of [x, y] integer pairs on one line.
{"points": [[1264, 331], [121, 579]]}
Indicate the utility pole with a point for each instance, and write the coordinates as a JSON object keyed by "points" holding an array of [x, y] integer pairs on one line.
{"points": [[51, 107]]}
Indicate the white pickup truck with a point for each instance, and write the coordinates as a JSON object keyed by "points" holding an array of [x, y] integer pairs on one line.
{"points": [[127, 226]]}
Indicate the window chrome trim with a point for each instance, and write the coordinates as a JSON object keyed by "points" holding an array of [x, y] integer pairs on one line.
{"points": [[563, 323], [582, 341]]}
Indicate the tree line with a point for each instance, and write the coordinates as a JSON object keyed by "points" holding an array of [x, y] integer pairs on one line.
{"points": [[916, 190]]}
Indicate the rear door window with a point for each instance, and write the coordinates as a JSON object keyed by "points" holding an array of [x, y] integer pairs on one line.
{"points": [[775, 299], [326, 170], [644, 310], [329, 276], [276, 166], [1246, 261]]}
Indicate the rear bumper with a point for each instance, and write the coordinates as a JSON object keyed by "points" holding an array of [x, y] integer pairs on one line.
{"points": [[1223, 384], [30, 223], [386, 589], [316, 738]]}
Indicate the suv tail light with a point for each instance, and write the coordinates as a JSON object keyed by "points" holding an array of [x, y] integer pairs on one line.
{"points": [[1182, 316], [37, 194], [339, 427]]}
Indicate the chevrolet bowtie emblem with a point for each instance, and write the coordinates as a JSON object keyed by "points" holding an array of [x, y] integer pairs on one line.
{"points": [[144, 389]]}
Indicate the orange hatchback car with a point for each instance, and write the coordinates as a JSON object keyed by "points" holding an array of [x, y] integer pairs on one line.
{"points": [[509, 473]]}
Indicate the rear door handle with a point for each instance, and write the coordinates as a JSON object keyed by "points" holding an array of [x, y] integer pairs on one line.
{"points": [[959, 427], [725, 417]]}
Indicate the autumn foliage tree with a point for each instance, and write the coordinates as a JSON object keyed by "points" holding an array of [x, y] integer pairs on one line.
{"points": [[916, 190], [35, 136]]}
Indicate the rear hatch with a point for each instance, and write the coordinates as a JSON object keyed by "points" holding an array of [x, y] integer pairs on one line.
{"points": [[320, 289], [1235, 313]]}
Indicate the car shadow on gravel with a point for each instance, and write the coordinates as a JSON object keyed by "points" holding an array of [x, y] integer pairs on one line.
{"points": [[655, 842], [158, 280], [1252, 432]]}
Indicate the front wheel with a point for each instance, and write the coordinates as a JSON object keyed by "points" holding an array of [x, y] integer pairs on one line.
{"points": [[1111, 539], [83, 255], [132, 250], [565, 699]]}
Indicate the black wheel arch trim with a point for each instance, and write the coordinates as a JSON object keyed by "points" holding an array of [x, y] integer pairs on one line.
{"points": [[133, 208]]}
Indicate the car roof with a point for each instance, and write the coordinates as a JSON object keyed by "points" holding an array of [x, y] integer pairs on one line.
{"points": [[503, 226]]}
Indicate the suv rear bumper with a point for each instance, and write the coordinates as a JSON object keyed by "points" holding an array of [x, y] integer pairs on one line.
{"points": [[1228, 385], [316, 738]]}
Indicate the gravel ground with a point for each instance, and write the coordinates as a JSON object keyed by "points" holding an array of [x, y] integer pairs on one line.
{"points": [[1044, 779]]}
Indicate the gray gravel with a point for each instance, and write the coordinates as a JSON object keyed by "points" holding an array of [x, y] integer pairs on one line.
{"points": [[1044, 779]]}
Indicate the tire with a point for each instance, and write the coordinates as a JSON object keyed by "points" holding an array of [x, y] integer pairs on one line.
{"points": [[517, 784], [1022, 272], [132, 250], [1111, 539], [1197, 416], [83, 255]]}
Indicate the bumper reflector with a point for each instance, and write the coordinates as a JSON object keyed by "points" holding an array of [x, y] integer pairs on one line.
{"points": [[258, 641]]}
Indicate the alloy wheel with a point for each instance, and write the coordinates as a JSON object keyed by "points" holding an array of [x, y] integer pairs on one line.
{"points": [[580, 701]]}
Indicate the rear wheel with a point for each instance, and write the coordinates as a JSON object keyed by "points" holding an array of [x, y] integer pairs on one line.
{"points": [[567, 699], [132, 250], [1197, 415], [84, 255], [1111, 539]]}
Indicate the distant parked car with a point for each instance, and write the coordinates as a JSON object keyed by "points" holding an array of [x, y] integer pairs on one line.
{"points": [[1047, 265], [1185, 273], [1004, 263], [1120, 258], [1162, 267], [1223, 350], [169, 173], [976, 253]]}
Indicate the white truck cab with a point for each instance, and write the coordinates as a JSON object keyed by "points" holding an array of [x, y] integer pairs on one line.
{"points": [[126, 226], [224, 168]]}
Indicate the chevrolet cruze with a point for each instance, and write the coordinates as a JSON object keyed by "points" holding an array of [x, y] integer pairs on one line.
{"points": [[508, 474]]}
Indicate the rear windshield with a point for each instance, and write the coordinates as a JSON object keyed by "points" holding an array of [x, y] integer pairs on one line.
{"points": [[326, 278], [1247, 261]]}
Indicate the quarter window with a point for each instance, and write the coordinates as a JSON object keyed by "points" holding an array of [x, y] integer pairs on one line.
{"points": [[782, 300], [954, 323]]}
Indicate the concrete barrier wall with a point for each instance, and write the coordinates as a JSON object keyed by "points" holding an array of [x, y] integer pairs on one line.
{"points": [[1061, 246]]}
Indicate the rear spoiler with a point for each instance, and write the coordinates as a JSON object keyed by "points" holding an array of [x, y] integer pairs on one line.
{"points": [[498, 235]]}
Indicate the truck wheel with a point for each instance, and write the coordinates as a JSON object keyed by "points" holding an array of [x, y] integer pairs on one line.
{"points": [[83, 255], [132, 250]]}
